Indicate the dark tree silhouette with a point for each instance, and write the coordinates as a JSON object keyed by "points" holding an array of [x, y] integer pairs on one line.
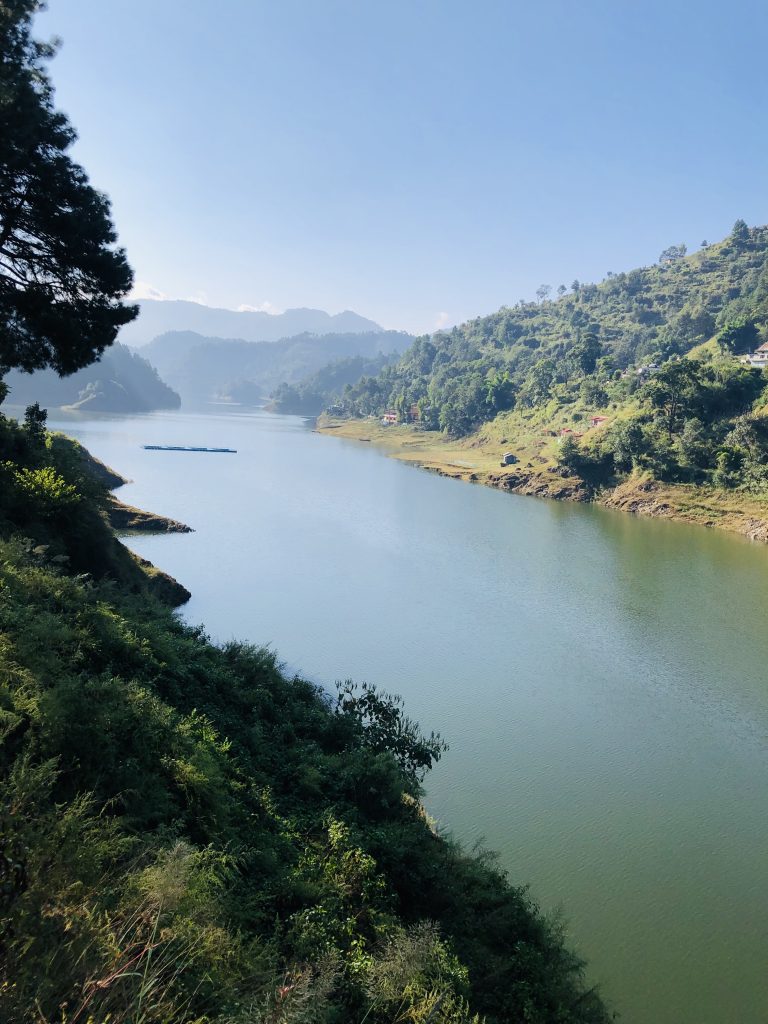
{"points": [[62, 277], [740, 232]]}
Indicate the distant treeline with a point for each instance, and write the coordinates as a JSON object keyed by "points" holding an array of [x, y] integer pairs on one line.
{"points": [[319, 391], [203, 369]]}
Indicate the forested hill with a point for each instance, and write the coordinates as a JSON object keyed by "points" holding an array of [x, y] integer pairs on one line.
{"points": [[522, 356], [120, 381], [316, 392]]}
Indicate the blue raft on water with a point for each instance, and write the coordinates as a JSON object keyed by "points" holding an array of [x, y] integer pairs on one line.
{"points": [[184, 448]]}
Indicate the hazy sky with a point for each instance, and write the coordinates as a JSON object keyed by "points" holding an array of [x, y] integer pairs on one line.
{"points": [[418, 161]]}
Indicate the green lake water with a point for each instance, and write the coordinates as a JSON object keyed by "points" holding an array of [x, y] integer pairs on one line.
{"points": [[602, 680]]}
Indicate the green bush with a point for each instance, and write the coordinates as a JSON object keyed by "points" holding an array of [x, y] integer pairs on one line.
{"points": [[44, 491]]}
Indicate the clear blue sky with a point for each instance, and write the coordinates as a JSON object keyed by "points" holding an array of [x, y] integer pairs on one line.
{"points": [[418, 161]]}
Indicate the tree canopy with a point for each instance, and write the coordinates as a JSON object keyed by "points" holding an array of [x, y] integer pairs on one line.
{"points": [[738, 335], [673, 253], [62, 277]]}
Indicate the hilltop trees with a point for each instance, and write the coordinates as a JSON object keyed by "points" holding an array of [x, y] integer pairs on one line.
{"points": [[740, 233], [61, 275], [673, 253], [595, 345]]}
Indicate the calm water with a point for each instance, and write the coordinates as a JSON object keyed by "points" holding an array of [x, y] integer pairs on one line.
{"points": [[601, 679]]}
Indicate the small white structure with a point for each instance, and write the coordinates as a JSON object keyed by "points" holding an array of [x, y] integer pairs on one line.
{"points": [[648, 370], [758, 358]]}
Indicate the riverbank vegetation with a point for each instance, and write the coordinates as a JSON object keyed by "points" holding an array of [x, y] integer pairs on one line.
{"points": [[187, 834], [639, 376]]}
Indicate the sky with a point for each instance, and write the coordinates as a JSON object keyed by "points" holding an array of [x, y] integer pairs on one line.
{"points": [[419, 161]]}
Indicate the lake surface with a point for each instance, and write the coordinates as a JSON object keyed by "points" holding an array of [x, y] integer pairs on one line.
{"points": [[601, 679]]}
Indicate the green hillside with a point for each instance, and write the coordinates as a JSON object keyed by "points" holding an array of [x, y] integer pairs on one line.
{"points": [[653, 352], [317, 391], [189, 835]]}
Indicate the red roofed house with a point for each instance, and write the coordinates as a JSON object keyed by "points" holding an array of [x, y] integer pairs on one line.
{"points": [[597, 420]]}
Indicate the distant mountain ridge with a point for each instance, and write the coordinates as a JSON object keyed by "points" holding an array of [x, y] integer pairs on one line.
{"points": [[158, 317], [204, 368]]}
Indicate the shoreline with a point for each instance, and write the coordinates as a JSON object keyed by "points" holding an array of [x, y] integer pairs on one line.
{"points": [[476, 460], [128, 519]]}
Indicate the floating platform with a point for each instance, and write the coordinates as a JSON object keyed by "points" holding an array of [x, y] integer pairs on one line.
{"points": [[185, 448]]}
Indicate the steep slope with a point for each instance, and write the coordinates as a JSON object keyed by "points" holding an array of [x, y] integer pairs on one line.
{"points": [[187, 834], [56, 497], [157, 317]]}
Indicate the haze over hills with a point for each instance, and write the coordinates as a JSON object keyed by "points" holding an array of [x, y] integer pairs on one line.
{"points": [[121, 381], [323, 389], [204, 368], [160, 316]]}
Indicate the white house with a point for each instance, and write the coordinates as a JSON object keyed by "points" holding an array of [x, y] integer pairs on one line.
{"points": [[758, 358]]}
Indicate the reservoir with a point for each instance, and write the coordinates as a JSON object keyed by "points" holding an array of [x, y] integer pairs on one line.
{"points": [[602, 680]]}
